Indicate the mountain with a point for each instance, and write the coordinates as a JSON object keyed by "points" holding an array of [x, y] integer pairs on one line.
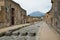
{"points": [[37, 14]]}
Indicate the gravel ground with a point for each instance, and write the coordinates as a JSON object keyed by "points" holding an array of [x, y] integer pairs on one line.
{"points": [[27, 33]]}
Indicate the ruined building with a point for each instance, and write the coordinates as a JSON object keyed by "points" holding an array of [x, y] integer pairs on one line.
{"points": [[53, 16], [31, 19], [11, 13]]}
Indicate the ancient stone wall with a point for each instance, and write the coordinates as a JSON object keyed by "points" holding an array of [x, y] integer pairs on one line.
{"points": [[2, 13], [53, 16], [2, 3], [23, 15], [30, 19], [12, 13], [57, 14]]}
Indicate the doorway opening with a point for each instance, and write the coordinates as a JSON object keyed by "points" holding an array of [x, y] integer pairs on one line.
{"points": [[12, 16]]}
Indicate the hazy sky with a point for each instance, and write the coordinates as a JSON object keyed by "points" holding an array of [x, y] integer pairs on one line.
{"points": [[35, 5]]}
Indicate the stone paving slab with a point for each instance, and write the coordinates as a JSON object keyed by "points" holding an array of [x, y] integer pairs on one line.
{"points": [[47, 33], [13, 28], [31, 31]]}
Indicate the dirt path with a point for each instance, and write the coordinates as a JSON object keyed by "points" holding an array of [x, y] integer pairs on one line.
{"points": [[47, 33]]}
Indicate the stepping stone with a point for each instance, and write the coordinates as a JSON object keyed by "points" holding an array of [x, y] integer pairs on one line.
{"points": [[32, 34], [24, 34], [16, 33]]}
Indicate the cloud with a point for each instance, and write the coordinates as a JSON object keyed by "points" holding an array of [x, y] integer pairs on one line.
{"points": [[35, 5]]}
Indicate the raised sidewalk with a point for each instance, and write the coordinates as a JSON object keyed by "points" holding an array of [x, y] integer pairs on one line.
{"points": [[13, 28]]}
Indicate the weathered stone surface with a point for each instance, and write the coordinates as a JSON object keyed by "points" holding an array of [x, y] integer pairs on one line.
{"points": [[53, 16], [11, 13], [24, 34], [32, 34], [8, 33], [16, 33], [31, 19]]}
